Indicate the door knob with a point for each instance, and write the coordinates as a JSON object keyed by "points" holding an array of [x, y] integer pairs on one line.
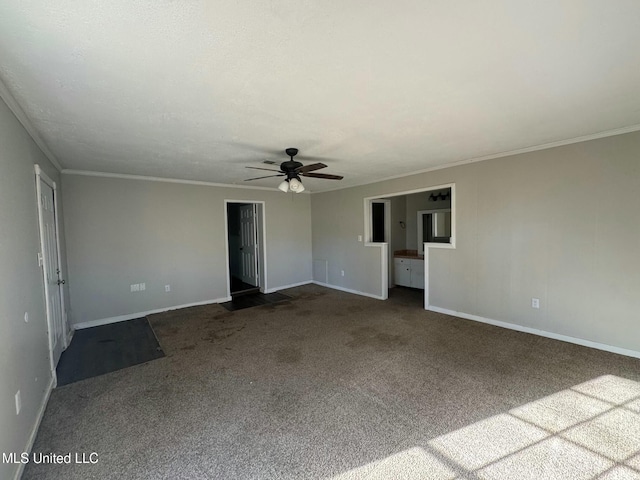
{"points": [[61, 282]]}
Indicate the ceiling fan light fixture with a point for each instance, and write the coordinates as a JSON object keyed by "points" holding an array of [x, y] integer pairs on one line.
{"points": [[296, 185], [284, 186]]}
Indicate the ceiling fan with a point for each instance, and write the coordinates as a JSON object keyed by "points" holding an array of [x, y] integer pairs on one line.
{"points": [[293, 170]]}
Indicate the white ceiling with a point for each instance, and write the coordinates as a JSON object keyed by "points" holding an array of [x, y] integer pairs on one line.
{"points": [[198, 90]]}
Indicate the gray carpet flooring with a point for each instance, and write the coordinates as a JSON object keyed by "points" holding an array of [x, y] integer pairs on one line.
{"points": [[333, 385]]}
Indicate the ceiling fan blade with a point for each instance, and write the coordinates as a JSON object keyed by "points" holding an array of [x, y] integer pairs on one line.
{"points": [[267, 169], [322, 175], [310, 168], [268, 176]]}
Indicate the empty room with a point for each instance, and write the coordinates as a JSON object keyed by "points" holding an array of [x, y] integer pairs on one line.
{"points": [[306, 240]]}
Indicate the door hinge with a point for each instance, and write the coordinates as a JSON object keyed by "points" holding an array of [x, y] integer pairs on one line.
{"points": [[39, 259]]}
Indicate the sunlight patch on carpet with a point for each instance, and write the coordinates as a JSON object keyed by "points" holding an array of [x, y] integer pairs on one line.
{"points": [[589, 431]]}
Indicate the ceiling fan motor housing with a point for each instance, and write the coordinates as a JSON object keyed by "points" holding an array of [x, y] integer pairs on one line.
{"points": [[289, 167]]}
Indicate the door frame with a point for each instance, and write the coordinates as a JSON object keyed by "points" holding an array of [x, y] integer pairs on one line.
{"points": [[384, 261], [261, 249], [41, 176]]}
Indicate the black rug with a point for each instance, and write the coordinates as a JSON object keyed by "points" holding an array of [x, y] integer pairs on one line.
{"points": [[238, 285], [254, 300], [98, 350]]}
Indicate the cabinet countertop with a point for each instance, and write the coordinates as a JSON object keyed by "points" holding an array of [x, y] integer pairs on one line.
{"points": [[411, 254]]}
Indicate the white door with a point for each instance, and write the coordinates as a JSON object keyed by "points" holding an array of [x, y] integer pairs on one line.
{"points": [[248, 245], [51, 269]]}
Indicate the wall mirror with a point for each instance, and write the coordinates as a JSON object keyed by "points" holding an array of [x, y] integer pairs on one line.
{"points": [[435, 224]]}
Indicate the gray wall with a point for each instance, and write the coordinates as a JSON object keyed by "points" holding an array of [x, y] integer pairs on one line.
{"points": [[398, 214], [337, 222], [24, 354], [562, 225], [125, 231]]}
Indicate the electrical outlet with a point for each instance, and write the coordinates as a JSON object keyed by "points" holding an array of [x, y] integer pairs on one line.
{"points": [[135, 287], [342, 272], [143, 287], [167, 288], [359, 238], [18, 403], [535, 303]]}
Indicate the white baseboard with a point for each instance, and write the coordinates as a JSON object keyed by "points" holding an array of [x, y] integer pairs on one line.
{"points": [[535, 331], [284, 287], [131, 316], [36, 426], [348, 290]]}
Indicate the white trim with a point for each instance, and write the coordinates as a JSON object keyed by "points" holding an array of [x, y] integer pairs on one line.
{"points": [[387, 219], [65, 321], [452, 209], [384, 264], [367, 230], [348, 290], [261, 247], [70, 335], [534, 148], [284, 287], [44, 178], [541, 333], [420, 232], [23, 118], [36, 426], [426, 277], [452, 186], [127, 176], [226, 250], [415, 190], [262, 261], [131, 316]]}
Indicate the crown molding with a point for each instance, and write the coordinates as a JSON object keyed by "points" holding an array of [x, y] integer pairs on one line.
{"points": [[126, 176], [22, 117], [534, 148]]}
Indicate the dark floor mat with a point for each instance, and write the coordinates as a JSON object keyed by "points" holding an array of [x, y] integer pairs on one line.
{"points": [[98, 350], [254, 300]]}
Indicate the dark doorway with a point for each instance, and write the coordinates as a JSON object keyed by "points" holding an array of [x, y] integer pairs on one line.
{"points": [[243, 252], [377, 222]]}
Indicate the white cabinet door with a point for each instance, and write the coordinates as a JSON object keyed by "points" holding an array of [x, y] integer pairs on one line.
{"points": [[417, 273], [402, 271]]}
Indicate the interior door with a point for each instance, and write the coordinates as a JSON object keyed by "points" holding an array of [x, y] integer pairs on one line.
{"points": [[51, 270], [248, 245]]}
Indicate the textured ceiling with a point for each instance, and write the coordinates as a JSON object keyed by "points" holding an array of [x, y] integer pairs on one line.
{"points": [[198, 90]]}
